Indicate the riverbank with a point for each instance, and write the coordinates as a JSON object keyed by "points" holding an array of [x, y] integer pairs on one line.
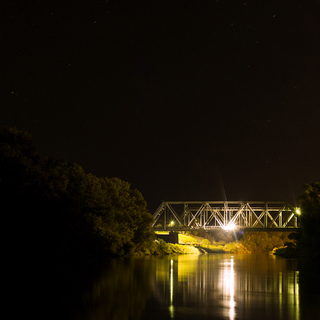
{"points": [[205, 245], [286, 252], [189, 243]]}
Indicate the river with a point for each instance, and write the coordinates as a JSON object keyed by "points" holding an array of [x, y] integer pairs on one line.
{"points": [[209, 286]]}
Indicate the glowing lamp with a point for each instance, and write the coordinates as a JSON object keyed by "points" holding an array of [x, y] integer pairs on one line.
{"points": [[230, 226]]}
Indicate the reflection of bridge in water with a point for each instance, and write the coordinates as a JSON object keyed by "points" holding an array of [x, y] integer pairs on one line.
{"points": [[227, 287], [210, 215]]}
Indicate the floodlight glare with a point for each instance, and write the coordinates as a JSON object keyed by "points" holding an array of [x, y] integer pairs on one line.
{"points": [[298, 211], [230, 226]]}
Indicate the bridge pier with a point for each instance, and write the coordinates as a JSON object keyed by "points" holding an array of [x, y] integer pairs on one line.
{"points": [[172, 237]]}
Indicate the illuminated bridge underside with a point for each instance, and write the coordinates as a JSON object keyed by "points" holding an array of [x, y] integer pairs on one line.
{"points": [[208, 215]]}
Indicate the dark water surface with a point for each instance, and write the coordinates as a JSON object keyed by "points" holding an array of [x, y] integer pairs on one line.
{"points": [[212, 286]]}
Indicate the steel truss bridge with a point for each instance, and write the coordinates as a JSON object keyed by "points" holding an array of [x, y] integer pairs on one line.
{"points": [[209, 215]]}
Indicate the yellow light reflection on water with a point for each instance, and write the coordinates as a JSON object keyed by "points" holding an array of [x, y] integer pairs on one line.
{"points": [[228, 281], [171, 308], [288, 289], [231, 286], [187, 266]]}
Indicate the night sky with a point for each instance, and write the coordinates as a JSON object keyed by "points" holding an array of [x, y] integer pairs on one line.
{"points": [[186, 100]]}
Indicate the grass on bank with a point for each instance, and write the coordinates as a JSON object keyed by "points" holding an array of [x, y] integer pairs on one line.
{"points": [[190, 244], [160, 247], [212, 246]]}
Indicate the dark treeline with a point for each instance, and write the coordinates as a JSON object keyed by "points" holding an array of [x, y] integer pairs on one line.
{"points": [[307, 247], [53, 209], [308, 238], [306, 242]]}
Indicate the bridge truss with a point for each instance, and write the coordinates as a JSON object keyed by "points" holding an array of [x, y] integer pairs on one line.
{"points": [[187, 215]]}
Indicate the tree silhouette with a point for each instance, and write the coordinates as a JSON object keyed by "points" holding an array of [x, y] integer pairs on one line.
{"points": [[52, 208]]}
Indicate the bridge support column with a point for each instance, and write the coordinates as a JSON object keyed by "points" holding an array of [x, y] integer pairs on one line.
{"points": [[266, 216], [165, 217]]}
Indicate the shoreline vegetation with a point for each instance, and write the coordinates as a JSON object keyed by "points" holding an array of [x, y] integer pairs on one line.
{"points": [[201, 242], [55, 211]]}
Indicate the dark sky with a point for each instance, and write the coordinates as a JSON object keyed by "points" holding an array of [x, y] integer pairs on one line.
{"points": [[186, 100]]}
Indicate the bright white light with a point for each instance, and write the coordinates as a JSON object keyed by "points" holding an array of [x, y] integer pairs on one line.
{"points": [[230, 226], [229, 287], [298, 211], [171, 307]]}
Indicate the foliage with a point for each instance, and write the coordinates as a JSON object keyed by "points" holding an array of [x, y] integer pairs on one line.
{"points": [[310, 201], [212, 247], [305, 243], [287, 251], [235, 247], [162, 247], [189, 239], [309, 238], [264, 241], [205, 242], [53, 208]]}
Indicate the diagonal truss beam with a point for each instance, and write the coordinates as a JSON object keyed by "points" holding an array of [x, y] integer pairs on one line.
{"points": [[214, 214], [258, 218], [236, 216], [174, 214], [195, 216], [158, 213]]}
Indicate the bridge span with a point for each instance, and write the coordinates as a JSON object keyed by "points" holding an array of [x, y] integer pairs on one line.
{"points": [[227, 215]]}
